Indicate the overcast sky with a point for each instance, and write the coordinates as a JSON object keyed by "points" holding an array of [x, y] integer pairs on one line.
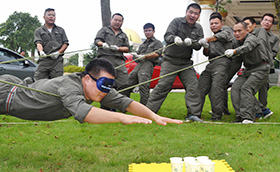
{"points": [[82, 19]]}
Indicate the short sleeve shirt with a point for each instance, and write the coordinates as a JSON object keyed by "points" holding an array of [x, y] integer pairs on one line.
{"points": [[51, 41], [150, 46], [107, 35], [28, 104]]}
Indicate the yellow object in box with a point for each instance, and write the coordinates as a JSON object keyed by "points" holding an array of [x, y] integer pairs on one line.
{"points": [[220, 166]]}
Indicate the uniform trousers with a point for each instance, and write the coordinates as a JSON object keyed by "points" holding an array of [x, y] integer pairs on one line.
{"points": [[5, 89], [49, 68], [235, 65], [244, 89], [189, 80], [141, 73], [213, 81]]}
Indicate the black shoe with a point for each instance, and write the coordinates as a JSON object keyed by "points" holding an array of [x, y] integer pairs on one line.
{"points": [[267, 113], [226, 113], [215, 119]]}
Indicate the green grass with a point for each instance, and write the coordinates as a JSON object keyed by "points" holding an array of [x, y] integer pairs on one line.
{"points": [[69, 146]]}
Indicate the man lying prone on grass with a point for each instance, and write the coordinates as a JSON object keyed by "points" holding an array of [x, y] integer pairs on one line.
{"points": [[74, 93]]}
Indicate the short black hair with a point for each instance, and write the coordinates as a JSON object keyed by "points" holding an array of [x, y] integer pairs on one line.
{"points": [[118, 14], [194, 5], [48, 9], [242, 23], [270, 15], [252, 20], [98, 64], [149, 25], [215, 15]]}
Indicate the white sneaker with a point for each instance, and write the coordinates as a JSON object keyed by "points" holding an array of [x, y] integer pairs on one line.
{"points": [[247, 121]]}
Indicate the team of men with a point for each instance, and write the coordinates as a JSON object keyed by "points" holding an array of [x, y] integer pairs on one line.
{"points": [[255, 48]]}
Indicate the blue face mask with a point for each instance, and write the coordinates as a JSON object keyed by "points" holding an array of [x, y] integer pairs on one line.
{"points": [[103, 84]]}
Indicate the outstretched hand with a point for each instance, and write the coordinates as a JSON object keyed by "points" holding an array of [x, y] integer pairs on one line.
{"points": [[131, 119], [164, 120]]}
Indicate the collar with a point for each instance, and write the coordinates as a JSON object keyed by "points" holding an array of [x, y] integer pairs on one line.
{"points": [[269, 33], [151, 40], [120, 31], [44, 27]]}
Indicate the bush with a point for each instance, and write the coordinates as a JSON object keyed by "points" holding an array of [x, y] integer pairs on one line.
{"points": [[72, 69]]}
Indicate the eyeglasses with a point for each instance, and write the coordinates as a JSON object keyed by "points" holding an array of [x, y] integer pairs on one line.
{"points": [[103, 84]]}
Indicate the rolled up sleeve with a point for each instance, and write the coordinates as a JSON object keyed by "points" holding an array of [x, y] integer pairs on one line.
{"points": [[116, 100]]}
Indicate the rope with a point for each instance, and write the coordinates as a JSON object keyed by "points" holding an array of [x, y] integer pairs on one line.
{"points": [[28, 88], [30, 58], [205, 122], [52, 94], [193, 41], [238, 123], [146, 54], [128, 88]]}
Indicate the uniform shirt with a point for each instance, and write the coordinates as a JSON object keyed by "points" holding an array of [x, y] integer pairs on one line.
{"points": [[180, 27], [51, 41], [107, 35], [264, 38], [150, 46], [225, 40], [253, 51], [28, 104], [274, 42]]}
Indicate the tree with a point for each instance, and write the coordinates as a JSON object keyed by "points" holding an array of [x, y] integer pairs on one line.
{"points": [[277, 8], [17, 32], [90, 56], [73, 60], [105, 12]]}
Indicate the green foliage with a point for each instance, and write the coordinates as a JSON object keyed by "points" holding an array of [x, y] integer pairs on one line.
{"points": [[73, 60], [220, 5], [17, 32], [277, 9], [67, 145], [90, 56], [73, 69]]}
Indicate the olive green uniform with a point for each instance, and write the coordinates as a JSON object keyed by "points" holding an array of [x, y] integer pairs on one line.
{"points": [[234, 67], [32, 105], [272, 45], [107, 35], [144, 69], [256, 62], [51, 42], [213, 79], [177, 57]]}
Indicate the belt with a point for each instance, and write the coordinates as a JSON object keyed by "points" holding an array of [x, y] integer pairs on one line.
{"points": [[9, 98]]}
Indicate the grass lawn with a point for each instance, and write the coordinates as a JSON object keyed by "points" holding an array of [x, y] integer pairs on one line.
{"points": [[67, 145]]}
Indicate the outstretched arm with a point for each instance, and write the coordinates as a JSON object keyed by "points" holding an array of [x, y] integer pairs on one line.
{"points": [[141, 110], [101, 116]]}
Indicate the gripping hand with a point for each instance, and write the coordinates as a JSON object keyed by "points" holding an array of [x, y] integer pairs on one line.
{"points": [[229, 53], [188, 41], [178, 40]]}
